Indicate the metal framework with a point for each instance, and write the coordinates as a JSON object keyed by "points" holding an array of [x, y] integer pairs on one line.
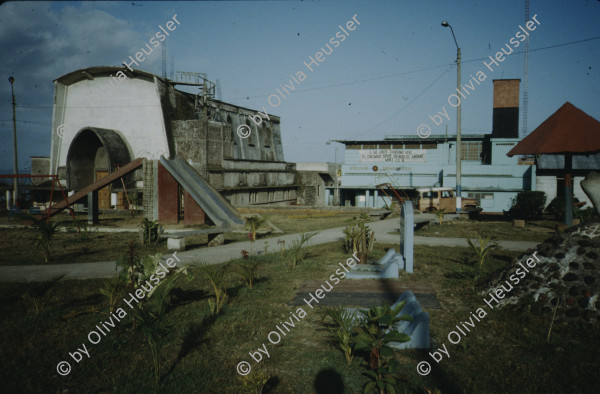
{"points": [[54, 180]]}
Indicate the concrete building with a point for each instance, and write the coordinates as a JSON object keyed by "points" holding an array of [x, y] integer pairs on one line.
{"points": [[101, 121], [409, 162], [319, 184]]}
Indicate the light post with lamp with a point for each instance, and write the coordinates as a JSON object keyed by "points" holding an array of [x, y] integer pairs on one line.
{"points": [[16, 181], [458, 142]]}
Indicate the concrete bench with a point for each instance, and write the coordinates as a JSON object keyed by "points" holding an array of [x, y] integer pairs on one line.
{"points": [[381, 214], [176, 239], [418, 329], [386, 268]]}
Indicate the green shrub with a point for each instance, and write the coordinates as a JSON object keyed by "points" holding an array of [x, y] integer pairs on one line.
{"points": [[528, 205], [585, 215], [557, 209], [377, 330], [151, 231]]}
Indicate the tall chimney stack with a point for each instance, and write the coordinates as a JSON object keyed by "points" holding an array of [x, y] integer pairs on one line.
{"points": [[505, 123]]}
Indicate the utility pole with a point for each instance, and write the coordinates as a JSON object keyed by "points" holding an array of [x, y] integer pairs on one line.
{"points": [[16, 180], [458, 130]]}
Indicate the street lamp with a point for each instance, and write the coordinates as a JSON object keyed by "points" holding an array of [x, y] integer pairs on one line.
{"points": [[458, 142], [16, 180]]}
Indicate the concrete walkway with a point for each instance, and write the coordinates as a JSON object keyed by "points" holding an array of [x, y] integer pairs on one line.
{"points": [[224, 253]]}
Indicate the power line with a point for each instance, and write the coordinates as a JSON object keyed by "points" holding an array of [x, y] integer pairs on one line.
{"points": [[473, 60], [407, 104], [541, 49], [385, 76], [392, 75]]}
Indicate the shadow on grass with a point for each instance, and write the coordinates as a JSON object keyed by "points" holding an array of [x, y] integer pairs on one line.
{"points": [[328, 381], [438, 374], [271, 385], [192, 339], [183, 297], [90, 300], [232, 292]]}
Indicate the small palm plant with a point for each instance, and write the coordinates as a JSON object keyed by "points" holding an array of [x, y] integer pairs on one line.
{"points": [[376, 332], [46, 231], [113, 287], [483, 250], [151, 230], [254, 223], [216, 276], [150, 318], [295, 254], [360, 238], [38, 292], [247, 269], [440, 215], [344, 330]]}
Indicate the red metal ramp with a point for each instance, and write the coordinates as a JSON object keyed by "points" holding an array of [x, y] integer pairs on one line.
{"points": [[99, 184], [212, 202]]}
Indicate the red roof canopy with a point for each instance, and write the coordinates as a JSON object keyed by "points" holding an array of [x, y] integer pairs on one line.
{"points": [[568, 130]]}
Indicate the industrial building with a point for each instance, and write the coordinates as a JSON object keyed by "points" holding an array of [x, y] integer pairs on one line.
{"points": [[408, 162], [100, 125]]}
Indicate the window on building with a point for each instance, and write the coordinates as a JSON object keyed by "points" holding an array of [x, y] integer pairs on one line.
{"points": [[369, 146], [482, 198], [352, 146], [446, 194], [470, 150], [385, 146], [252, 138], [412, 146], [266, 135], [429, 145], [430, 195]]}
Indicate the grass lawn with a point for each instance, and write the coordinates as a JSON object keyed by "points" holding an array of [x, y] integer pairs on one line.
{"points": [[536, 231], [505, 352], [17, 245], [292, 221]]}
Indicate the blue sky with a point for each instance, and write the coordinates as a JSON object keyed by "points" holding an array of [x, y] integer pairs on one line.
{"points": [[387, 77]]}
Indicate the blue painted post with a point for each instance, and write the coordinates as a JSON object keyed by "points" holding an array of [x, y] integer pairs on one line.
{"points": [[407, 222]]}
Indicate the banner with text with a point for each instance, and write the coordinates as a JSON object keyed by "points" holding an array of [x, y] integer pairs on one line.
{"points": [[392, 155]]}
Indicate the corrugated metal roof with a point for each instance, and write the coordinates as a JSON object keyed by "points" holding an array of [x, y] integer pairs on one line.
{"points": [[568, 130]]}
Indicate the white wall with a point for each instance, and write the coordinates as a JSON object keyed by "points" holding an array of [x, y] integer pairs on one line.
{"points": [[548, 183], [131, 107]]}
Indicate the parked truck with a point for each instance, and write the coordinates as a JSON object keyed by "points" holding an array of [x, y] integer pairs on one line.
{"points": [[432, 199]]}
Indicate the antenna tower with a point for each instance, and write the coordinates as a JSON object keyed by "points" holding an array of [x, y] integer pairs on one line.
{"points": [[164, 60], [172, 74], [219, 95], [524, 130]]}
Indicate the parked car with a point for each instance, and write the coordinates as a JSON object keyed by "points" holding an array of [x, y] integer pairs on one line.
{"points": [[432, 199]]}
